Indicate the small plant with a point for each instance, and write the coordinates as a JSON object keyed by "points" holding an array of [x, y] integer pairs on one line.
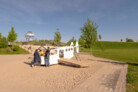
{"points": [[8, 49], [16, 48]]}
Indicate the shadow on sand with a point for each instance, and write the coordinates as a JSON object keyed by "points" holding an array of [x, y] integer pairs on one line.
{"points": [[113, 62], [29, 63], [63, 64], [118, 63]]}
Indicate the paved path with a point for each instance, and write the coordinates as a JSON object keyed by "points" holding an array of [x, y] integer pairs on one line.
{"points": [[110, 78]]}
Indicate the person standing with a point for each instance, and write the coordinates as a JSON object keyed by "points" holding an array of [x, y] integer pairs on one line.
{"points": [[47, 54], [36, 58]]}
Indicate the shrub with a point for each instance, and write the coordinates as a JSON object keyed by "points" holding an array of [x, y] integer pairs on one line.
{"points": [[3, 42], [24, 43], [16, 48], [129, 40]]}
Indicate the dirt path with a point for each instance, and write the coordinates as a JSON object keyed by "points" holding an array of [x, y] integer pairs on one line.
{"points": [[110, 78], [102, 75]]}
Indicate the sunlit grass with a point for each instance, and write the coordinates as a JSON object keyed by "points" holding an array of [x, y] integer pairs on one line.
{"points": [[5, 51], [123, 52]]}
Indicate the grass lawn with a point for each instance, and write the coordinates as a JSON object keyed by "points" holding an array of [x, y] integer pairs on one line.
{"points": [[124, 52], [5, 51]]}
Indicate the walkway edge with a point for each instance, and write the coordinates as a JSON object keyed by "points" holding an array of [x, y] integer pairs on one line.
{"points": [[121, 84]]}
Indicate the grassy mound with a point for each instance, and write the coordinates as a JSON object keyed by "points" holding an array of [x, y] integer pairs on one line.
{"points": [[124, 52], [9, 51], [116, 45]]}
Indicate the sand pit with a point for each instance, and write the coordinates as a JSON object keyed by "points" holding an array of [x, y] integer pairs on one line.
{"points": [[16, 75]]}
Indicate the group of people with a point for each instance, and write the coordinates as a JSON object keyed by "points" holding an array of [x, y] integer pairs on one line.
{"points": [[37, 58]]}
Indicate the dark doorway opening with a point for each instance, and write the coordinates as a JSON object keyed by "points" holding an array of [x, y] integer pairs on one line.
{"points": [[61, 53]]}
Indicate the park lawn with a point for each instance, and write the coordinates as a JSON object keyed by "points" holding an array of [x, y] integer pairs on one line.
{"points": [[128, 54], [4, 51]]}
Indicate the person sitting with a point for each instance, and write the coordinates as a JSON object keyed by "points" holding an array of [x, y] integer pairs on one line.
{"points": [[41, 53]]}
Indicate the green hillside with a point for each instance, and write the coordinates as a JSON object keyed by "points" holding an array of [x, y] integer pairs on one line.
{"points": [[116, 45], [5, 51], [121, 51]]}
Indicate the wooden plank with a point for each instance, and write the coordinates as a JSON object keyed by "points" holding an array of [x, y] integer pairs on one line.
{"points": [[72, 63]]}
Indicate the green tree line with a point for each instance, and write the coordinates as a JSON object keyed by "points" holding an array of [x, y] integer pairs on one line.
{"points": [[4, 42]]}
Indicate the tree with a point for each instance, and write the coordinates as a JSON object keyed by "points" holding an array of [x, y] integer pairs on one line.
{"points": [[129, 40], [82, 42], [12, 36], [3, 42], [121, 40], [100, 37], [72, 40], [57, 37], [0, 40], [89, 32], [0, 35]]}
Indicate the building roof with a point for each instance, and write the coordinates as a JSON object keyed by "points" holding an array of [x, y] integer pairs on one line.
{"points": [[29, 32]]}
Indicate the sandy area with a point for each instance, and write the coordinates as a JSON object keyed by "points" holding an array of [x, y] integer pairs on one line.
{"points": [[16, 75]]}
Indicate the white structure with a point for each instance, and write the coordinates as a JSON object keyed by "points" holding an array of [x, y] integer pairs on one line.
{"points": [[42, 60], [77, 47], [53, 58], [72, 44], [29, 36], [68, 52], [61, 52]]}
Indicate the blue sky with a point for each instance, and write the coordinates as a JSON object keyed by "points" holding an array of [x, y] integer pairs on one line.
{"points": [[116, 18]]}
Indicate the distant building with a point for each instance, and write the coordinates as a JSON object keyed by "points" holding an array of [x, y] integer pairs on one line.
{"points": [[29, 36]]}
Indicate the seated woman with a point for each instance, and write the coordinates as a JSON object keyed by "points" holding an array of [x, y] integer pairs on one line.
{"points": [[41, 53]]}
